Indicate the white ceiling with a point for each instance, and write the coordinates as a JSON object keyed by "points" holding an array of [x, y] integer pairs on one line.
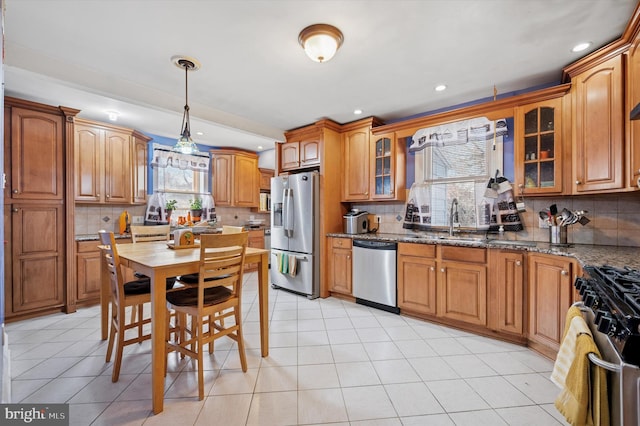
{"points": [[256, 82]]}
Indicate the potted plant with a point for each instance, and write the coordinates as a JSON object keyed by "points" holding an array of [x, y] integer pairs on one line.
{"points": [[195, 206], [170, 206]]}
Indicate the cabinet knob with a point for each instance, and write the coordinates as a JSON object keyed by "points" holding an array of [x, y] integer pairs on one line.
{"points": [[578, 182], [98, 194], [108, 195], [563, 272], [433, 268], [348, 257], [15, 210], [518, 263], [15, 191], [520, 186], [442, 269], [366, 193]]}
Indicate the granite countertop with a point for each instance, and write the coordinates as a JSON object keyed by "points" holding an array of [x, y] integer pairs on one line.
{"points": [[586, 254], [196, 230]]}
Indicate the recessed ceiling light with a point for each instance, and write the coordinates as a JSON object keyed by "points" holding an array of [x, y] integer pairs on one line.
{"points": [[440, 87], [113, 115], [260, 148], [581, 46], [199, 133], [357, 111]]}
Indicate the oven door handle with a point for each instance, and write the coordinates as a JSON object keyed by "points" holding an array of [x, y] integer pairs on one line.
{"points": [[593, 357], [604, 364]]}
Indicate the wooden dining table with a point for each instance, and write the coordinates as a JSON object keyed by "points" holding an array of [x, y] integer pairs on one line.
{"points": [[158, 262]]}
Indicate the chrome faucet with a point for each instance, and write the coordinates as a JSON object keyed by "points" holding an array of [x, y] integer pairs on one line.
{"points": [[454, 205]]}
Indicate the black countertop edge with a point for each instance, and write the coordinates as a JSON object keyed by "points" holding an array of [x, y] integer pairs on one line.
{"points": [[586, 254]]}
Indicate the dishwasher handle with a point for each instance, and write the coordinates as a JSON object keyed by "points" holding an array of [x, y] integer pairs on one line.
{"points": [[375, 245]]}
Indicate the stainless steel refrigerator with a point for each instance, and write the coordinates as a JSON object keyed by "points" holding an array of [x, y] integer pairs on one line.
{"points": [[295, 222]]}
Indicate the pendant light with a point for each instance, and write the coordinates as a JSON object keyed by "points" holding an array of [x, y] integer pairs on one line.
{"points": [[320, 41], [185, 144]]}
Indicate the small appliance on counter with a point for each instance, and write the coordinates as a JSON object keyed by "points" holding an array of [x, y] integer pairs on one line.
{"points": [[355, 222]]}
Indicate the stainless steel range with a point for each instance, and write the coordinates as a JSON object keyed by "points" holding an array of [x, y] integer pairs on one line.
{"points": [[611, 300]]}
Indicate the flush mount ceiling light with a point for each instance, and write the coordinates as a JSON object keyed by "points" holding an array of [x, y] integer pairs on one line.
{"points": [[580, 47], [320, 41], [440, 87], [185, 144]]}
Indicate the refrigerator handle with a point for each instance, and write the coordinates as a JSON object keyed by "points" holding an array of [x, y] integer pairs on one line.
{"points": [[288, 212]]}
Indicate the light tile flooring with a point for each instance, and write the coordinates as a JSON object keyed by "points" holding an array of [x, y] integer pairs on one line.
{"points": [[330, 362]]}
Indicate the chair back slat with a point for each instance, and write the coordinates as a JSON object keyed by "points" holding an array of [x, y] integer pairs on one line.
{"points": [[222, 261], [150, 233], [108, 241]]}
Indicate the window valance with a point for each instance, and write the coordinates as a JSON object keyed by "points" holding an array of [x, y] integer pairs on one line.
{"points": [[458, 133], [164, 158]]}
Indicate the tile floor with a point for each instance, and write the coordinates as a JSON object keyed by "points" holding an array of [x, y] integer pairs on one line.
{"points": [[330, 362]]}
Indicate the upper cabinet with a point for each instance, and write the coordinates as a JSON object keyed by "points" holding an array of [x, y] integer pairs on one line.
{"points": [[110, 164], [300, 154], [538, 147], [374, 165], [235, 178], [598, 127], [633, 99]]}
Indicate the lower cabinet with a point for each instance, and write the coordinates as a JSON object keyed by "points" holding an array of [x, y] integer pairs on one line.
{"points": [[87, 271], [506, 291], [256, 240], [340, 265], [417, 278], [550, 295], [462, 284]]}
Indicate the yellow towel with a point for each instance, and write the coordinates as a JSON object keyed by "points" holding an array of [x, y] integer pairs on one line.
{"points": [[583, 399], [574, 326]]}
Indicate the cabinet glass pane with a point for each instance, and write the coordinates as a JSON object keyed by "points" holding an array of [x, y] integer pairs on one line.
{"points": [[546, 145], [387, 146], [387, 166], [531, 175], [530, 148], [378, 166], [546, 119], [378, 185], [387, 184], [547, 174], [531, 122]]}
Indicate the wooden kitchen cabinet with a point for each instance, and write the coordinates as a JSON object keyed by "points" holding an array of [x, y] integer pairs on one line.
{"points": [[265, 179], [235, 178], [339, 274], [374, 165], [598, 127], [538, 147], [417, 278], [256, 240], [633, 99], [36, 147], [506, 291], [102, 163], [462, 284], [139, 166], [550, 295], [299, 154]]}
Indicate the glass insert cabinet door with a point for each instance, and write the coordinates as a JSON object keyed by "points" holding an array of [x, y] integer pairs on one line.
{"points": [[383, 169], [538, 147]]}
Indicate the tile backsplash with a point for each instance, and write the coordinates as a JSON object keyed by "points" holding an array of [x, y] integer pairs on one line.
{"points": [[615, 219], [91, 219]]}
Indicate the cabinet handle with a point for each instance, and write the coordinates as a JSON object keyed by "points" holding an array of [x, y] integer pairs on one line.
{"points": [[518, 263], [15, 210], [578, 182], [15, 191], [563, 272]]}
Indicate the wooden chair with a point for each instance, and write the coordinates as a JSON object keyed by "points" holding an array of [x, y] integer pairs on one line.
{"points": [[141, 233], [217, 296], [227, 229], [145, 233], [133, 293]]}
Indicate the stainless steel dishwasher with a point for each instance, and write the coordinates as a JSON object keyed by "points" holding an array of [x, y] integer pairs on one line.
{"points": [[374, 274]]}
